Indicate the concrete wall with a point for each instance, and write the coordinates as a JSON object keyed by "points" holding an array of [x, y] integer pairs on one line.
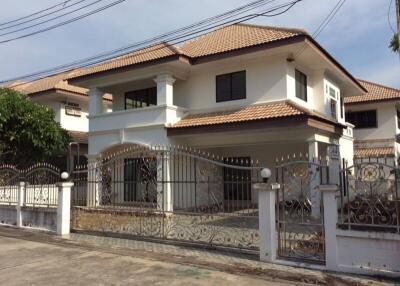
{"points": [[42, 218], [8, 215]]}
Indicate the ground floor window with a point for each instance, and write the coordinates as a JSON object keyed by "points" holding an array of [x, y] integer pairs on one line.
{"points": [[140, 179], [237, 182]]}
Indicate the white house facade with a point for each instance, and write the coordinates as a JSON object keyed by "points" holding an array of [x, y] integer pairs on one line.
{"points": [[240, 91], [376, 118]]}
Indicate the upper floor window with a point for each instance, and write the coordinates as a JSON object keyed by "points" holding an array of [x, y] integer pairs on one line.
{"points": [[141, 98], [301, 85], [231, 86], [398, 118], [333, 98], [362, 119]]}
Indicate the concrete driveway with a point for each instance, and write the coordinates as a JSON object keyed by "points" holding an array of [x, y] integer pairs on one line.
{"points": [[31, 258]]}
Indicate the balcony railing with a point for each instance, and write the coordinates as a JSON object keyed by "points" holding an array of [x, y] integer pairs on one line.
{"points": [[140, 117]]}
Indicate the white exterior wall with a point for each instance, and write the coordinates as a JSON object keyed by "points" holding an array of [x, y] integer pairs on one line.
{"points": [[386, 117], [75, 123]]}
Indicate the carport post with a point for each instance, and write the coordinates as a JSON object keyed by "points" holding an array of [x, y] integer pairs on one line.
{"points": [[64, 207], [266, 218], [20, 204]]}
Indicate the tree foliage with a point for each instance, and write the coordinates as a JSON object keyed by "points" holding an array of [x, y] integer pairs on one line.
{"points": [[394, 43], [28, 131]]}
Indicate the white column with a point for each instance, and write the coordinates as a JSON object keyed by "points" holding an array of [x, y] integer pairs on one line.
{"points": [[20, 204], [266, 218], [315, 180], [164, 190], [64, 207], [95, 101], [93, 182], [330, 221], [165, 89]]}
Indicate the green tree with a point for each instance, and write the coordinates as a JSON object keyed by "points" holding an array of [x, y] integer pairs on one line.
{"points": [[394, 43], [28, 131]]}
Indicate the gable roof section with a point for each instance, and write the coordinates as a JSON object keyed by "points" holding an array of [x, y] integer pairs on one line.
{"points": [[374, 152], [375, 92], [225, 39]]}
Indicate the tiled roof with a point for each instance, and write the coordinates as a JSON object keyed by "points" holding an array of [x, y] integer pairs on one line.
{"points": [[249, 113], [148, 54], [80, 137], [57, 81], [235, 37], [376, 92], [54, 82], [373, 152], [228, 38]]}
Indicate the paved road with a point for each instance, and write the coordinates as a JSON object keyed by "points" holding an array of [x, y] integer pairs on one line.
{"points": [[31, 258]]}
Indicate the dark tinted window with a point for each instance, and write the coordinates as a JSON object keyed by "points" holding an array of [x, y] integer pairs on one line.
{"points": [[301, 85], [231, 86], [141, 98], [362, 119]]}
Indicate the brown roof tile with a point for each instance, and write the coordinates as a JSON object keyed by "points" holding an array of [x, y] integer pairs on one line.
{"points": [[376, 92], [80, 137], [374, 152], [225, 39], [249, 113], [235, 37]]}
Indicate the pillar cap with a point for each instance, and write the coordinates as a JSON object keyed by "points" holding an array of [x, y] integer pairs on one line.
{"points": [[266, 186], [65, 184]]}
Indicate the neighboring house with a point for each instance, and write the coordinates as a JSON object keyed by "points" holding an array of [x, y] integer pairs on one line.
{"points": [[240, 91], [376, 117], [70, 104]]}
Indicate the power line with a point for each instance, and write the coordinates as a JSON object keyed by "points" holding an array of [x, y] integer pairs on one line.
{"points": [[51, 19], [42, 16], [322, 26], [36, 13], [388, 17], [66, 22], [163, 37], [176, 40]]}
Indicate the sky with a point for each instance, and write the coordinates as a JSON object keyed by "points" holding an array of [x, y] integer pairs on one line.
{"points": [[358, 36]]}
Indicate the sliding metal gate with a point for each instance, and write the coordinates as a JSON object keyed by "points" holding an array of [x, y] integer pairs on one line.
{"points": [[172, 193]]}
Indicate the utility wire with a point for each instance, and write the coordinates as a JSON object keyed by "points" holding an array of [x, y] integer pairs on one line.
{"points": [[51, 19], [388, 17], [322, 26], [36, 13], [176, 40], [163, 37], [65, 22], [42, 16]]}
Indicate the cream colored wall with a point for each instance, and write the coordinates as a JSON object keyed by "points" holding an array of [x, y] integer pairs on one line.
{"points": [[387, 121], [265, 81]]}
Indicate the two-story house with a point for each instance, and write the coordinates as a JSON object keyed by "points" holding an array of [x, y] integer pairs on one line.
{"points": [[239, 91], [69, 103], [376, 116]]}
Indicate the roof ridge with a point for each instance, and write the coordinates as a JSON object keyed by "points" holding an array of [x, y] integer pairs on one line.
{"points": [[278, 28], [378, 84]]}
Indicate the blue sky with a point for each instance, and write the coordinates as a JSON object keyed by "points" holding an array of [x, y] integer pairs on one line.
{"points": [[357, 37]]}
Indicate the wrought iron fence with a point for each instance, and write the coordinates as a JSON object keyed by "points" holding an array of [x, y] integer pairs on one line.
{"points": [[300, 213], [9, 178], [369, 198], [178, 193], [39, 187]]}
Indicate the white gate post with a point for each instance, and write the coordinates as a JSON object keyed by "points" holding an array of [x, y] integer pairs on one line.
{"points": [[266, 218], [164, 190], [20, 204], [64, 207]]}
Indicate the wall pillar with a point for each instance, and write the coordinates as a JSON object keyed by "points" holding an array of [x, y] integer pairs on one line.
{"points": [[330, 221], [95, 101], [315, 179], [64, 207], [165, 89], [20, 204], [266, 217]]}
